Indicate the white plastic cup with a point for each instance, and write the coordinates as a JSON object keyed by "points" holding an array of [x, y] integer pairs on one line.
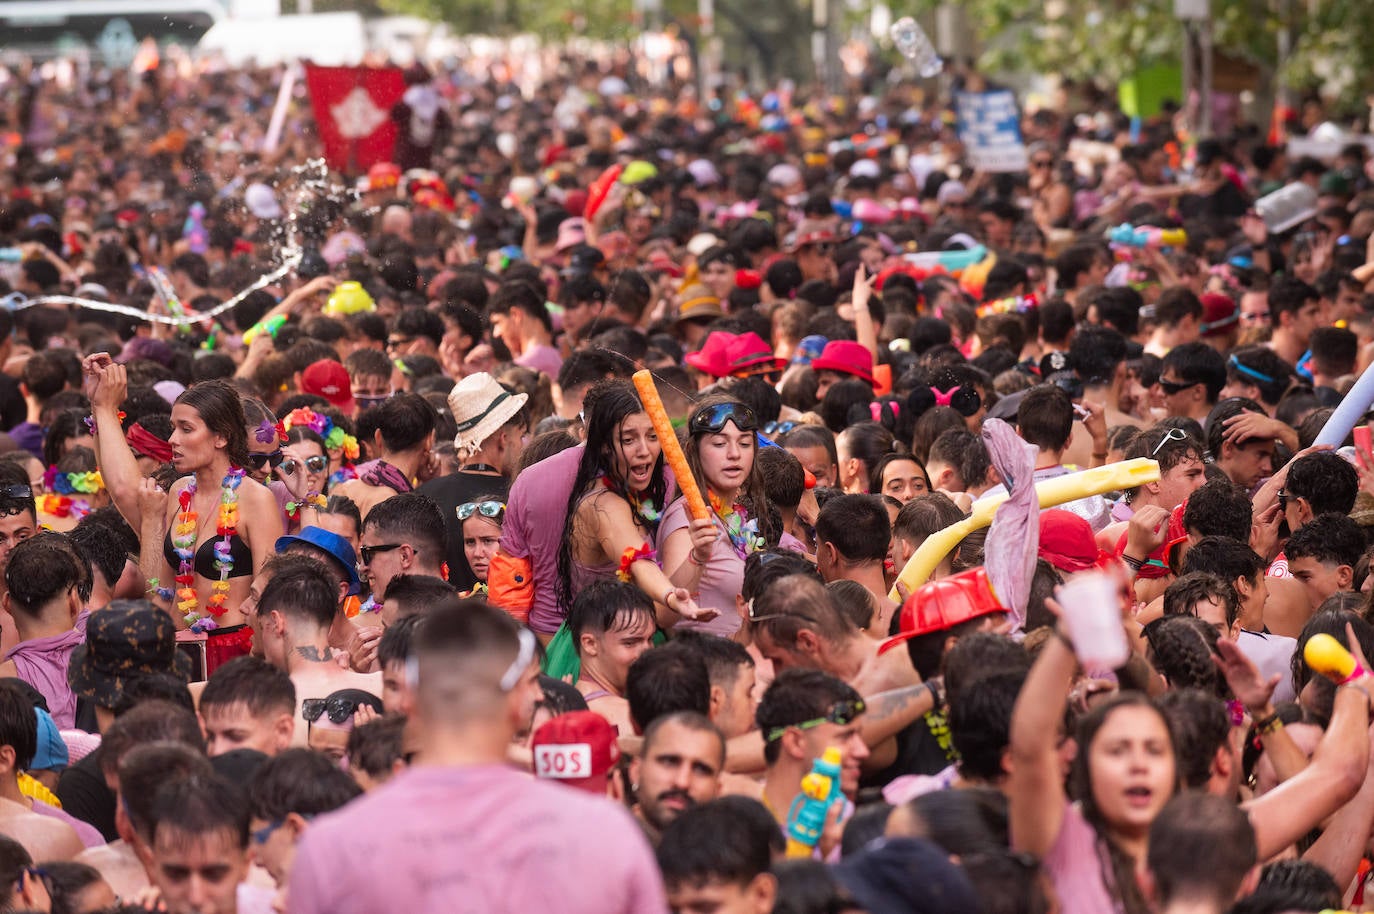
{"points": [[1092, 617]]}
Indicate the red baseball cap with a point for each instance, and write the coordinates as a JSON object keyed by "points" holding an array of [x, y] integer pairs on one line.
{"points": [[329, 379], [578, 748]]}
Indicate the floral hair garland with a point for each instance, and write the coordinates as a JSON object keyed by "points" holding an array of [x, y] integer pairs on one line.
{"points": [[335, 438], [73, 483]]}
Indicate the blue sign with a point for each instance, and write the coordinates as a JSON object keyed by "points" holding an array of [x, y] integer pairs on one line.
{"points": [[990, 129]]}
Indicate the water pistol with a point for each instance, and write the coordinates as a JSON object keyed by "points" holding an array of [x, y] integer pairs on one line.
{"points": [[194, 232], [947, 261], [269, 326], [1146, 236], [819, 790], [349, 298]]}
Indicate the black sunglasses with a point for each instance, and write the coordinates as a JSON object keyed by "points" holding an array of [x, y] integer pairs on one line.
{"points": [[16, 492], [712, 419], [261, 461], [1174, 387], [338, 709], [313, 464], [368, 553]]}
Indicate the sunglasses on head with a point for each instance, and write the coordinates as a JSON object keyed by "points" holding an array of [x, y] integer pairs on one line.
{"points": [[12, 492], [491, 509], [1173, 434], [841, 714], [262, 461], [339, 709], [712, 419], [313, 464], [779, 428]]}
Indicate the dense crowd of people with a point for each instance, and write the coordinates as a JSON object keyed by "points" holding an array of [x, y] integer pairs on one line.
{"points": [[385, 589]]}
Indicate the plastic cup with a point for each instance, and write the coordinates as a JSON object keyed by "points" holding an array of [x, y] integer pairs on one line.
{"points": [[1092, 616]]}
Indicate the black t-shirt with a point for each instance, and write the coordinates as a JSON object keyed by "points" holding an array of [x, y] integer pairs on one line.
{"points": [[923, 747], [448, 492], [83, 793]]}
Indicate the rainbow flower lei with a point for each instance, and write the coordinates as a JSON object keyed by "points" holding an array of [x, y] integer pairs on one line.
{"points": [[73, 483], [184, 544], [742, 530], [62, 506]]}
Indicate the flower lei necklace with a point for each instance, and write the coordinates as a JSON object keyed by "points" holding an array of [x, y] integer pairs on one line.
{"points": [[742, 530], [642, 507], [184, 544]]}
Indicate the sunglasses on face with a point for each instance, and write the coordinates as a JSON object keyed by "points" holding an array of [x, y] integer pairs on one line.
{"points": [[841, 714], [368, 553], [397, 341], [1283, 497], [338, 709], [489, 509], [262, 461], [712, 419], [1042, 163], [290, 465], [1173, 387]]}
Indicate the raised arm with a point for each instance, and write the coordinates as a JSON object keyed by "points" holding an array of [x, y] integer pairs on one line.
{"points": [[107, 385], [1035, 788], [1330, 780]]}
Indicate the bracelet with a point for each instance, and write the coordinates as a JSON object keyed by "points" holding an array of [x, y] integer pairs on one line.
{"points": [[1358, 673], [1132, 562], [1270, 724], [692, 559], [1355, 684], [936, 696], [629, 557], [668, 596], [312, 500], [155, 587], [1102, 456]]}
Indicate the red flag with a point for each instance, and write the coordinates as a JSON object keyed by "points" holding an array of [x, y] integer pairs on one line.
{"points": [[353, 113]]}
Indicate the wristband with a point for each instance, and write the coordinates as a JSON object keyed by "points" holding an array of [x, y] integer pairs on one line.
{"points": [[1270, 724], [1358, 673], [629, 557], [936, 693], [1132, 562]]}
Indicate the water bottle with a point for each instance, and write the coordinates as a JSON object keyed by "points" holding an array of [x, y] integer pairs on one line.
{"points": [[912, 42]]}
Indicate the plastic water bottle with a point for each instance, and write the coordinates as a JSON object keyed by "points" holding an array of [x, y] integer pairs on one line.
{"points": [[912, 42]]}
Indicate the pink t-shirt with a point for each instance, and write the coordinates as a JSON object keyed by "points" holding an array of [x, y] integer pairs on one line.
{"points": [[536, 510], [483, 839], [1075, 866], [721, 579], [541, 358]]}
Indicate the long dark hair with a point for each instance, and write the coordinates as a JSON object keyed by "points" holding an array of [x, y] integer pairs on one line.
{"points": [[606, 407], [218, 405], [752, 494], [1118, 867]]}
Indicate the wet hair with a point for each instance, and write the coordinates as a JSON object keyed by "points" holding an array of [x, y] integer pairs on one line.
{"points": [[1260, 367], [144, 767], [800, 601], [149, 722], [925, 515], [964, 451], [807, 436], [765, 566], [1333, 539], [18, 723], [1326, 480], [838, 406], [964, 822], [404, 420], [666, 680], [1198, 363], [854, 600], [980, 724], [1095, 352], [396, 643], [1201, 848], [713, 842], [413, 519], [101, 546], [1224, 557], [784, 479], [300, 781], [1118, 866], [1218, 508], [41, 569], [221, 409], [875, 477], [1045, 417], [606, 407], [1200, 727], [196, 805], [1182, 596], [606, 606], [1182, 649], [723, 657], [305, 592], [857, 526], [795, 697], [252, 681], [980, 654], [375, 747], [66, 880]]}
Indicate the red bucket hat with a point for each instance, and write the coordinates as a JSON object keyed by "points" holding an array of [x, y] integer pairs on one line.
{"points": [[713, 356], [748, 354], [846, 357]]}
